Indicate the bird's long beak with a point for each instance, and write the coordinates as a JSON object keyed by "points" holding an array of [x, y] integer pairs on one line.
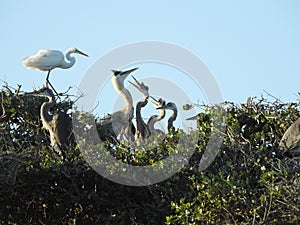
{"points": [[193, 118], [141, 87], [36, 92], [82, 53], [137, 85], [136, 81], [127, 72], [153, 101], [123, 73]]}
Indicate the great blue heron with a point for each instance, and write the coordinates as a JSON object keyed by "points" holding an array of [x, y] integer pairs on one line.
{"points": [[155, 118], [122, 119], [146, 130], [58, 124], [47, 60], [142, 130], [105, 129], [170, 106], [290, 141]]}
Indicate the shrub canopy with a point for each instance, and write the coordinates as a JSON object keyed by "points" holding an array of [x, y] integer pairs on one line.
{"points": [[249, 182]]}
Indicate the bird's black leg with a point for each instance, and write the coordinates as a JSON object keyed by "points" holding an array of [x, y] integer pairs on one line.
{"points": [[53, 88], [48, 83], [47, 79]]}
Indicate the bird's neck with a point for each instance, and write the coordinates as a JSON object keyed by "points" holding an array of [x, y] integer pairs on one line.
{"points": [[161, 114], [139, 106], [139, 120], [44, 111], [69, 63], [155, 118], [119, 87], [172, 119], [128, 100]]}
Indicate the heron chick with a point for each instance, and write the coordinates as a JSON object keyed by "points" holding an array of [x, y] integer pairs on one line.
{"points": [[58, 124], [122, 120], [170, 106]]}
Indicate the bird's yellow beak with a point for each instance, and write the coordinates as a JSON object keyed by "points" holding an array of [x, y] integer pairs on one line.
{"points": [[81, 53]]}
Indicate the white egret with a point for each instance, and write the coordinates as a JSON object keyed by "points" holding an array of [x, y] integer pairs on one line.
{"points": [[47, 60]]}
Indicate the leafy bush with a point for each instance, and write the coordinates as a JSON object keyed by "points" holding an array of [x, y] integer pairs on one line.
{"points": [[249, 182]]}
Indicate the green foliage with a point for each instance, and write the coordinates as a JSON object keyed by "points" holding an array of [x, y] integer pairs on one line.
{"points": [[249, 182]]}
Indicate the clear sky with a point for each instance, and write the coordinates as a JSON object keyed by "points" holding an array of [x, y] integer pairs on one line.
{"points": [[249, 46]]}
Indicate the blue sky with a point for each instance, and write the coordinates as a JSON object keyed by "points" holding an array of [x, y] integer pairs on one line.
{"points": [[249, 46]]}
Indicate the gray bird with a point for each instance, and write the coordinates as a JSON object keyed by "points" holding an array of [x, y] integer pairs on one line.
{"points": [[170, 106], [290, 141], [121, 120], [155, 118], [142, 130], [58, 124]]}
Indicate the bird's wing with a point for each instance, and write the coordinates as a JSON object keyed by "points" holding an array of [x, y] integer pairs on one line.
{"points": [[105, 120], [62, 127], [291, 137], [44, 60]]}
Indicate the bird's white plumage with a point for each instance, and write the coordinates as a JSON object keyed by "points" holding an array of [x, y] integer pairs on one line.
{"points": [[44, 60]]}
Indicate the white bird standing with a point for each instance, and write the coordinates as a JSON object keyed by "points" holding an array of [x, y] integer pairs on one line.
{"points": [[47, 60]]}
